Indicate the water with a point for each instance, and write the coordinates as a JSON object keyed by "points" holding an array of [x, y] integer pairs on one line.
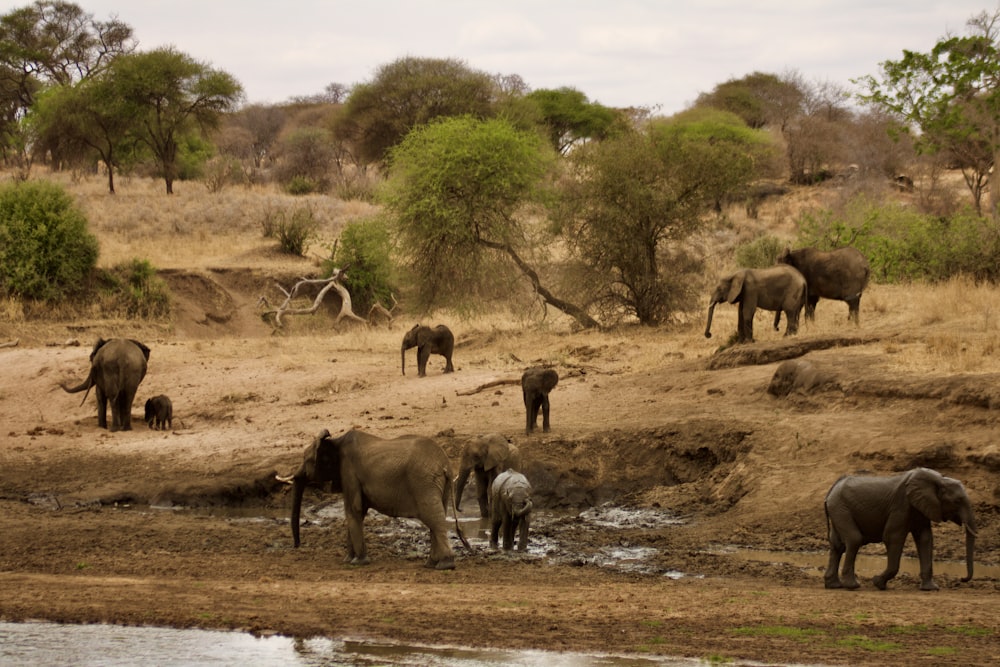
{"points": [[51, 644]]}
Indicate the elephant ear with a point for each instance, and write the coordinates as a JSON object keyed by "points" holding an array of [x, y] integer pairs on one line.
{"points": [[143, 348], [736, 286], [922, 492], [496, 453]]}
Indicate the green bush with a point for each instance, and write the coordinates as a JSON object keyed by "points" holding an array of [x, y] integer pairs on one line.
{"points": [[132, 289], [365, 248], [902, 244], [295, 231], [760, 253], [301, 185], [46, 251]]}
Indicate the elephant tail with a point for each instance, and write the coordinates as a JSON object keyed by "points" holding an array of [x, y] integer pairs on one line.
{"points": [[86, 384], [450, 490]]}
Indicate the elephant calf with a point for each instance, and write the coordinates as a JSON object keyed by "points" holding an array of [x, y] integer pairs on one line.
{"points": [[159, 412], [536, 383], [510, 509]]}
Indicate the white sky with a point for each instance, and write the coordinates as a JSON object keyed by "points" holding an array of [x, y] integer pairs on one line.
{"points": [[658, 54]]}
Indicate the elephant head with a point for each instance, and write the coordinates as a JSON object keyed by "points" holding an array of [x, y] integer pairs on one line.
{"points": [[320, 464], [728, 290], [411, 339], [941, 498]]}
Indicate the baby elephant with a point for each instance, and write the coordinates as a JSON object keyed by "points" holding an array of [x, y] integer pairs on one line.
{"points": [[536, 383], [159, 413], [510, 508]]}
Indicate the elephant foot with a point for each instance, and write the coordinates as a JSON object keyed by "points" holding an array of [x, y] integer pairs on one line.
{"points": [[832, 583], [445, 564], [360, 561], [524, 548], [928, 585], [494, 545], [850, 583], [879, 582]]}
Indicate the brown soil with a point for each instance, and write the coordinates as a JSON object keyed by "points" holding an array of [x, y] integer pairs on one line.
{"points": [[645, 418]]}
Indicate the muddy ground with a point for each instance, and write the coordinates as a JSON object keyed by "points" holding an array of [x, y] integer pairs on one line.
{"points": [[188, 527]]}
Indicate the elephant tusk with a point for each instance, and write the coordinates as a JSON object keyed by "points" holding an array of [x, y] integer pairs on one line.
{"points": [[285, 479]]}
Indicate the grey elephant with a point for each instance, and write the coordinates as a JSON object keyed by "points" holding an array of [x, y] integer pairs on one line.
{"points": [[117, 366], [779, 288], [428, 341], [408, 476], [536, 383], [510, 510], [867, 509], [840, 274], [159, 413], [487, 456]]}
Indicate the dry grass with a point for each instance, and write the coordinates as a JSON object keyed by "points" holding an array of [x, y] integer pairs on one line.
{"points": [[953, 327]]}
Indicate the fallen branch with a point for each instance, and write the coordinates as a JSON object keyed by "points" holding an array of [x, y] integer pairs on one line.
{"points": [[493, 383], [11, 343], [331, 283]]}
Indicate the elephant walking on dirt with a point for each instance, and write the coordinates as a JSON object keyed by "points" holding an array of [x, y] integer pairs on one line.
{"points": [[536, 383], [487, 456], [866, 509], [778, 288], [840, 274], [428, 341], [117, 366], [510, 510], [408, 476]]}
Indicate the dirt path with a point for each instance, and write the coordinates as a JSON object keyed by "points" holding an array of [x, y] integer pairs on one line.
{"points": [[638, 419]]}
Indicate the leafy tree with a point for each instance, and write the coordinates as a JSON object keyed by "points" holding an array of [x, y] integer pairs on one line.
{"points": [[46, 251], [172, 95], [408, 93], [952, 96], [569, 117], [364, 251], [634, 197], [457, 188], [760, 99]]}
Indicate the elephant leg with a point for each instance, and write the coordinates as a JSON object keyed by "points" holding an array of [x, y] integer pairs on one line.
{"points": [[522, 539], [792, 326], [534, 404], [483, 482], [545, 413], [508, 530], [496, 521], [849, 541], [854, 310], [831, 579], [448, 368], [811, 302], [894, 551], [356, 539], [924, 540], [102, 408], [124, 402], [423, 355]]}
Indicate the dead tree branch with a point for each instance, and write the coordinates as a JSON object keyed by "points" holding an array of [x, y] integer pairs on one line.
{"points": [[331, 283]]}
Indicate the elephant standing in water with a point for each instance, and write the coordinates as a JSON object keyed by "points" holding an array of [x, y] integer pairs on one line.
{"points": [[408, 476], [536, 383], [487, 456], [117, 366], [428, 341], [779, 288], [510, 510], [840, 274], [862, 510]]}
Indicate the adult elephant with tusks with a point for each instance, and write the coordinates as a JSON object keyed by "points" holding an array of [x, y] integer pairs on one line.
{"points": [[867, 509], [408, 476], [840, 274], [117, 366], [428, 341], [778, 288]]}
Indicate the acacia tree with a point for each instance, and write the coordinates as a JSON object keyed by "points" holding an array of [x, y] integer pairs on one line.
{"points": [[569, 117], [635, 196], [456, 189], [952, 96], [170, 95]]}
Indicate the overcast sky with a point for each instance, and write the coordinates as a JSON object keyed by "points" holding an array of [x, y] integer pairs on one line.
{"points": [[658, 54]]}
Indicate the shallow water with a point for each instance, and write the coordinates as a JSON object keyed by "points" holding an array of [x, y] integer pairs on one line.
{"points": [[51, 644]]}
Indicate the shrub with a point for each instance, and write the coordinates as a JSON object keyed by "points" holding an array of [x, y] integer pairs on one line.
{"points": [[759, 253], [364, 248], [293, 230], [46, 250], [132, 289]]}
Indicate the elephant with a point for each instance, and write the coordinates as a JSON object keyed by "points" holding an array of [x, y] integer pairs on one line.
{"points": [[510, 509], [117, 366], [840, 274], [408, 476], [779, 288], [159, 412], [866, 509], [438, 340], [488, 456], [536, 383]]}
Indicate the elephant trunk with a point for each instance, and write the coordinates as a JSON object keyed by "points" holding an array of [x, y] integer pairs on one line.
{"points": [[298, 489], [708, 325], [460, 482], [402, 354], [524, 509], [968, 520]]}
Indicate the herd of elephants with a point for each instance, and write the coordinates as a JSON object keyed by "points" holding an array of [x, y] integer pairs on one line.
{"points": [[410, 476]]}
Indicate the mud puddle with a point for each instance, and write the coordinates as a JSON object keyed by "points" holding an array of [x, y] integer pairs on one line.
{"points": [[41, 644]]}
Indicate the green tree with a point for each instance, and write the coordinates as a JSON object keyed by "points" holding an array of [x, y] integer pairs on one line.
{"points": [[760, 99], [635, 196], [569, 117], [457, 189], [408, 93], [46, 251], [172, 95], [952, 96]]}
